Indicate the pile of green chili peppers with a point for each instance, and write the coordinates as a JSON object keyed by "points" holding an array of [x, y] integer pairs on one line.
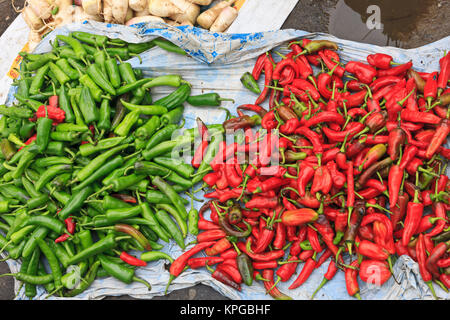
{"points": [[81, 190]]}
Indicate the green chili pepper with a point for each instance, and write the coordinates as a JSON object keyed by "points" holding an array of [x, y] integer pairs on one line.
{"points": [[168, 46], [40, 61], [15, 112], [166, 146], [112, 70], [89, 38], [138, 48], [27, 128], [8, 149], [147, 110], [14, 192], [32, 270], [128, 76], [68, 127], [86, 282], [88, 106], [78, 48], [120, 272], [145, 131], [59, 74], [155, 255], [178, 218], [173, 116], [174, 197], [96, 74], [50, 173], [153, 223], [33, 104], [94, 89], [31, 243], [176, 98], [38, 79], [64, 136], [75, 202], [127, 123], [104, 122], [101, 172], [43, 129], [108, 143], [64, 104], [155, 197], [193, 217], [122, 183], [208, 99], [250, 83], [169, 225]]}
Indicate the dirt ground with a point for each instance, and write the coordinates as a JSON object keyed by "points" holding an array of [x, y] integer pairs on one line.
{"points": [[406, 24]]}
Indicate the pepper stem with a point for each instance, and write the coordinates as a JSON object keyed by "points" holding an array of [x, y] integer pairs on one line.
{"points": [[324, 281], [148, 285]]}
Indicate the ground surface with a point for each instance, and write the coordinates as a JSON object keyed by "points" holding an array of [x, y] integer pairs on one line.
{"points": [[406, 24]]}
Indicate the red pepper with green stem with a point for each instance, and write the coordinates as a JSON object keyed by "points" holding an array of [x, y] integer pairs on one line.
{"points": [[380, 60], [365, 73], [338, 70], [395, 71], [331, 272], [271, 287], [422, 261], [414, 212], [431, 88], [307, 270]]}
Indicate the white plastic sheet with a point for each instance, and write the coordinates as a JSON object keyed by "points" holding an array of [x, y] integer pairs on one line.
{"points": [[217, 61]]}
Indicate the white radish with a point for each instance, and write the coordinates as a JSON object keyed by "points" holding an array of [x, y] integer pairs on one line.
{"points": [[41, 8], [224, 20], [32, 20], [189, 11], [162, 8], [107, 11], [138, 5], [92, 7], [207, 18], [80, 15], [65, 12], [34, 38], [144, 19], [120, 10], [142, 13], [201, 2]]}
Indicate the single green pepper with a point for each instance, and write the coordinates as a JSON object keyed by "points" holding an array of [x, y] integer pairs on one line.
{"points": [[250, 83]]}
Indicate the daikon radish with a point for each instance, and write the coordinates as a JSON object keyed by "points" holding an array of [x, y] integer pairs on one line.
{"points": [[92, 7], [107, 11], [138, 5], [142, 13], [80, 15], [120, 10], [33, 40], [144, 19], [189, 11], [207, 18], [32, 20], [224, 20], [41, 8], [201, 2], [162, 8], [65, 12]]}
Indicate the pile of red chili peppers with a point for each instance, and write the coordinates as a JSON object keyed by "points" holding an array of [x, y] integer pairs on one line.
{"points": [[360, 178]]}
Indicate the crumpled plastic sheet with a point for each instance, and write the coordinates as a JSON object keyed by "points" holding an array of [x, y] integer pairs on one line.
{"points": [[217, 61]]}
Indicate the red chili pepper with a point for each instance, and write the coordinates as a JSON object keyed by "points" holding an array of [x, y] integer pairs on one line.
{"points": [[339, 71], [440, 136], [266, 235], [259, 66], [421, 117], [365, 73], [380, 60], [258, 202], [279, 240], [331, 272], [220, 275], [443, 263], [62, 238], [431, 88], [395, 71], [270, 286], [195, 263], [298, 216], [265, 256], [220, 246], [265, 265], [54, 113], [422, 261], [53, 101], [70, 225], [131, 260], [322, 181], [339, 179], [178, 265], [444, 73], [372, 250], [351, 280], [374, 272], [307, 269], [414, 212], [211, 235]]}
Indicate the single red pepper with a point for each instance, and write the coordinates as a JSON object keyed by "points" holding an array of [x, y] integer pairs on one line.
{"points": [[422, 261], [271, 287], [431, 88], [195, 263], [178, 265], [307, 269], [439, 137], [131, 260], [331, 272], [211, 235], [259, 66], [395, 71], [414, 212], [351, 280], [380, 60]]}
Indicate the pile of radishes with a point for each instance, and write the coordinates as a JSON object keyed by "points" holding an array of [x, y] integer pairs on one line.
{"points": [[45, 15]]}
